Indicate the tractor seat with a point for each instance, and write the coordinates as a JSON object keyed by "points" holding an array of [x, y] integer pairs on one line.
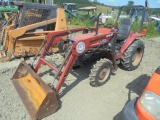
{"points": [[124, 29]]}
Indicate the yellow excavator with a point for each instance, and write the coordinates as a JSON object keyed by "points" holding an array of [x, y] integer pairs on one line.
{"points": [[25, 30]]}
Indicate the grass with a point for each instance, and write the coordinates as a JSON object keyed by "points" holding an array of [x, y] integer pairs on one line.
{"points": [[82, 22], [151, 30], [103, 9], [86, 21]]}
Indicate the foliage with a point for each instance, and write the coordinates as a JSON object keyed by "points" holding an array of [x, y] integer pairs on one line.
{"points": [[81, 22], [154, 11], [151, 31], [130, 3], [79, 3], [150, 28], [136, 26], [103, 9], [110, 22]]}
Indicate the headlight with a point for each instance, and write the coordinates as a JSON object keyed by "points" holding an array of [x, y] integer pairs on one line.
{"points": [[151, 103], [80, 47]]}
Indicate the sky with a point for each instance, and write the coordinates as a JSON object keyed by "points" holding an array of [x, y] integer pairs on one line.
{"points": [[152, 3]]}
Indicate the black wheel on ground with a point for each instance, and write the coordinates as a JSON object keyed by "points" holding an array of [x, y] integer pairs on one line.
{"points": [[101, 72], [133, 55]]}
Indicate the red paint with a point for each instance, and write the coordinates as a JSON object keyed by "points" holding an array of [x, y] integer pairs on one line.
{"points": [[47, 63], [65, 72], [131, 38], [90, 40], [38, 65]]}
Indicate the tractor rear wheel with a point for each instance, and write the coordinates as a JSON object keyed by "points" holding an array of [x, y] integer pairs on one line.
{"points": [[100, 73], [133, 55]]}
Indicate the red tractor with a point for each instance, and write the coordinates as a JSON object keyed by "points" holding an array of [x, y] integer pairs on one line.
{"points": [[105, 48]]}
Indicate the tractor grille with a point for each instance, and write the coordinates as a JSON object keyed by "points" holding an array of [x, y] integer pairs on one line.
{"points": [[33, 15]]}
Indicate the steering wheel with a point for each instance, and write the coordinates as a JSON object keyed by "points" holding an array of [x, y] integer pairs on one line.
{"points": [[113, 27]]}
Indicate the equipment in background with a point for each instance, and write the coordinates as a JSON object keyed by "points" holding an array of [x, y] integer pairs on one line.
{"points": [[25, 30]]}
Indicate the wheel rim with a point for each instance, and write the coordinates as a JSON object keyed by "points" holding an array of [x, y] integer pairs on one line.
{"points": [[103, 75], [137, 56]]}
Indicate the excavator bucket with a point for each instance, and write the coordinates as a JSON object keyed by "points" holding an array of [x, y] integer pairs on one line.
{"points": [[38, 98]]}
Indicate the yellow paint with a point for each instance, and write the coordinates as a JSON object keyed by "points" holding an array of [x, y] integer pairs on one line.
{"points": [[61, 20], [35, 92], [21, 31], [6, 16]]}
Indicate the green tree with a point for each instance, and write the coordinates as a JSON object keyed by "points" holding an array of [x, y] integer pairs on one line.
{"points": [[130, 3]]}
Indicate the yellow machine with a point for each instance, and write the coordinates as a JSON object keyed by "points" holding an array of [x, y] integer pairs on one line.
{"points": [[25, 30]]}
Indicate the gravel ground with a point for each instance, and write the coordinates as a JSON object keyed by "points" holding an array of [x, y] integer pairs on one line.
{"points": [[79, 100]]}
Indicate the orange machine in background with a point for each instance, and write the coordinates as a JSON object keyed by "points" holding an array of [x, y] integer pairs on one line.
{"points": [[25, 30], [147, 106]]}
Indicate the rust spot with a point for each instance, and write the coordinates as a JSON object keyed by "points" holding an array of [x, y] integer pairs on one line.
{"points": [[28, 80]]}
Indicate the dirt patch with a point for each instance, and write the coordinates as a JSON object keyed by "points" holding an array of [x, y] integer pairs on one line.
{"points": [[78, 99]]}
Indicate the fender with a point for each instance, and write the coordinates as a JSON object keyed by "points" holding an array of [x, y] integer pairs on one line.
{"points": [[131, 38]]}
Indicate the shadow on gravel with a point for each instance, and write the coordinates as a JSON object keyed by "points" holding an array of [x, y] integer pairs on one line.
{"points": [[136, 86], [81, 74], [49, 72]]}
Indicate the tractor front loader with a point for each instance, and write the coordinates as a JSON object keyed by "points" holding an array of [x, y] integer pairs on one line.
{"points": [[105, 48], [25, 30], [39, 98]]}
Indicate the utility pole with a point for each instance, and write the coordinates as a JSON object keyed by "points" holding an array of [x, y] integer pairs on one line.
{"points": [[95, 1]]}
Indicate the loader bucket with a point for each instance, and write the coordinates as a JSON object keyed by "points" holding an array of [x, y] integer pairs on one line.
{"points": [[38, 98]]}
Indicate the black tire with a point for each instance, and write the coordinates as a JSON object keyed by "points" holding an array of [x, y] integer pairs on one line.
{"points": [[133, 56], [101, 72]]}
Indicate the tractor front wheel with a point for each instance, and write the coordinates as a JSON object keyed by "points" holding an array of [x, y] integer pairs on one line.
{"points": [[100, 73], [133, 55]]}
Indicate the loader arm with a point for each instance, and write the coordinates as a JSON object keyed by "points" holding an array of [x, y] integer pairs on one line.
{"points": [[21, 31], [87, 40], [39, 97]]}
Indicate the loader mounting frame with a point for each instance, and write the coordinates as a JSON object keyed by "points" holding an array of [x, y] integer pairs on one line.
{"points": [[72, 54]]}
